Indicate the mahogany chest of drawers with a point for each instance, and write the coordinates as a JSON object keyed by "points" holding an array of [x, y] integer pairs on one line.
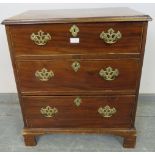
{"points": [[78, 71]]}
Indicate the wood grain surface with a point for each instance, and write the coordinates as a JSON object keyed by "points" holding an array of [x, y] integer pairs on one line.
{"points": [[84, 116], [77, 15], [89, 39], [86, 79]]}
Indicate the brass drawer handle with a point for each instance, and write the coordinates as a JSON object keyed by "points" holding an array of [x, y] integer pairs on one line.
{"points": [[40, 38], [48, 111], [106, 111], [44, 74], [75, 66], [74, 30], [109, 74], [77, 101], [110, 37]]}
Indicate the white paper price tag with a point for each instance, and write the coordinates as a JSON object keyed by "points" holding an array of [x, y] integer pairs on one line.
{"points": [[74, 40]]}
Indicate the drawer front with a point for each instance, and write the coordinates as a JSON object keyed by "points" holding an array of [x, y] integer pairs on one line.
{"points": [[121, 37], [78, 76], [82, 112], [72, 76]]}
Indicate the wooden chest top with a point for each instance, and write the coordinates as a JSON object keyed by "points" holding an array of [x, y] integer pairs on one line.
{"points": [[79, 15]]}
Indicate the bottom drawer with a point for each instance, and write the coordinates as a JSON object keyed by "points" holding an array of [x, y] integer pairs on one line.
{"points": [[79, 112]]}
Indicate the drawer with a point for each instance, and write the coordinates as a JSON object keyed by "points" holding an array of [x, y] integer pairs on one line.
{"points": [[120, 37], [82, 112], [78, 76]]}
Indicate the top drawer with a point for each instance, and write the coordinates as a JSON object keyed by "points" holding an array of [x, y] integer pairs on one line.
{"points": [[43, 39]]}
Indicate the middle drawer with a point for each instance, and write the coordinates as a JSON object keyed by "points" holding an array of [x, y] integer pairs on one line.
{"points": [[75, 76]]}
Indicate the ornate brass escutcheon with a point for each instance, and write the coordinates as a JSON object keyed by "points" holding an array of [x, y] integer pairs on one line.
{"points": [[106, 111], [75, 66], [109, 74], [40, 38], [110, 37], [44, 74], [48, 111], [77, 101], [74, 30]]}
